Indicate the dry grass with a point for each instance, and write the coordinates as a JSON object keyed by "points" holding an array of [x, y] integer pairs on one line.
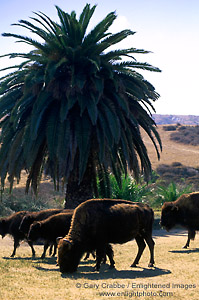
{"points": [[188, 155], [25, 278]]}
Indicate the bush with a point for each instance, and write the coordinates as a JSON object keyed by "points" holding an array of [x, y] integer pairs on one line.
{"points": [[129, 189], [188, 135], [170, 128], [177, 173], [169, 193], [18, 201]]}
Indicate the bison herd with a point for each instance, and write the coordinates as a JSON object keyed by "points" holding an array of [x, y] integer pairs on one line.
{"points": [[96, 224]]}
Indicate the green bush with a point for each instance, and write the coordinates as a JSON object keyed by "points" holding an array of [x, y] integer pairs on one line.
{"points": [[129, 189], [169, 193]]}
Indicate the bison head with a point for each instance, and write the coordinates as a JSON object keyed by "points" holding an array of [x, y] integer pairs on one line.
{"points": [[169, 215], [2, 228], [69, 255]]}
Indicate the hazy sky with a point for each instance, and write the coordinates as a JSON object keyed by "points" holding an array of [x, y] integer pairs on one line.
{"points": [[168, 28]]}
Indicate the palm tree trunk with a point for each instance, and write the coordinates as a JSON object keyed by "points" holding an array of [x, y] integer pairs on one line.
{"points": [[77, 193]]}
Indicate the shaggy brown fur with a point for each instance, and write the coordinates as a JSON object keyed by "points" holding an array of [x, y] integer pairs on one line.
{"points": [[184, 212], [36, 216], [29, 218], [50, 229], [10, 225], [97, 222]]}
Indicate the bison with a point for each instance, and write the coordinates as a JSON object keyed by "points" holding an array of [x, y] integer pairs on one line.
{"points": [[98, 222], [49, 229], [30, 217], [184, 212], [10, 225], [53, 227]]}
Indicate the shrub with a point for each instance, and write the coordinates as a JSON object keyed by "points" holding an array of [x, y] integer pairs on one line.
{"points": [[129, 189], [170, 128], [188, 135], [18, 200], [169, 193], [177, 172]]}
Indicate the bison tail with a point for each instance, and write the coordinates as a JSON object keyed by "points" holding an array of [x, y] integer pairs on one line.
{"points": [[151, 221]]}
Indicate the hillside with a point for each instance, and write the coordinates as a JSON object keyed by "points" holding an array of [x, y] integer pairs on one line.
{"points": [[187, 155], [173, 119], [172, 152], [178, 163]]}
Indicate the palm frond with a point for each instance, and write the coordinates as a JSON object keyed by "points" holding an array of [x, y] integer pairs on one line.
{"points": [[74, 105]]}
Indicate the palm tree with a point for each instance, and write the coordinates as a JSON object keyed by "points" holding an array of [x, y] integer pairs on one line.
{"points": [[74, 109]]}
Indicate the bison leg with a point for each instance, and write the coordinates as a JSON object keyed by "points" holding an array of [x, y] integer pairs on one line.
{"points": [[31, 246], [87, 256], [46, 245], [150, 243], [16, 244], [141, 246], [191, 236], [100, 252], [109, 253], [55, 249], [51, 250], [187, 243]]}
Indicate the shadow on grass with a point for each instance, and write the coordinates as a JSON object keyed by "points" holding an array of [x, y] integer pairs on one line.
{"points": [[49, 261], [187, 251], [163, 233], [119, 274], [105, 273]]}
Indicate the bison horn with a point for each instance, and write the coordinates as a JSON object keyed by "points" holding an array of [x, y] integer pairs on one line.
{"points": [[68, 243], [175, 208], [58, 239]]}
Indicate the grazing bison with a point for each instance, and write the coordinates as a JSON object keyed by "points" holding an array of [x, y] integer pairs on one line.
{"points": [[30, 217], [184, 212], [98, 222], [10, 225], [48, 230], [53, 227]]}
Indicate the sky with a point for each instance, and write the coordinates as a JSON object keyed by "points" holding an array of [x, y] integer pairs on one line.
{"points": [[167, 28]]}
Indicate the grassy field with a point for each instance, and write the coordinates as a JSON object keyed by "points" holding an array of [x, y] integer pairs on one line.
{"points": [[175, 275]]}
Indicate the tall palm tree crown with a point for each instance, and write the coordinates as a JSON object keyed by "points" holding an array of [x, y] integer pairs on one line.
{"points": [[72, 107]]}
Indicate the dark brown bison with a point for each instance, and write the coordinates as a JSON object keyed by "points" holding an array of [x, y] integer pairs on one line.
{"points": [[184, 212], [98, 222], [10, 225], [29, 218], [50, 229]]}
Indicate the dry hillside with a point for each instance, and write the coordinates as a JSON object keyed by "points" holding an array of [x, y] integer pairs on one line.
{"points": [[187, 155], [172, 152]]}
